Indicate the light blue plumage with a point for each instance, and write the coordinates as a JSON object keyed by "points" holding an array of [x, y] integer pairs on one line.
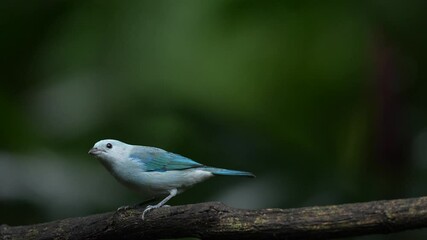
{"points": [[159, 160], [154, 171]]}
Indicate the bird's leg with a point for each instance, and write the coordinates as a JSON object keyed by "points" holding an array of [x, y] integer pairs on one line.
{"points": [[172, 193]]}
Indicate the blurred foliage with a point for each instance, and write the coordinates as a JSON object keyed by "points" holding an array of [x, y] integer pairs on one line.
{"points": [[324, 101]]}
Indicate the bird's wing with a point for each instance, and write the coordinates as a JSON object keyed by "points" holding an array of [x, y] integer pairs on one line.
{"points": [[158, 160]]}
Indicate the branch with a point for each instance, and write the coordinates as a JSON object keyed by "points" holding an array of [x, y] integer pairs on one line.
{"points": [[216, 221]]}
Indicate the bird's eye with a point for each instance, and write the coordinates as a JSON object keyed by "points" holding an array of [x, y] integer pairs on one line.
{"points": [[109, 145]]}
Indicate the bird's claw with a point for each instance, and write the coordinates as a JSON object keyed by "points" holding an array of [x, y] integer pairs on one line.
{"points": [[172, 193], [147, 209], [123, 208]]}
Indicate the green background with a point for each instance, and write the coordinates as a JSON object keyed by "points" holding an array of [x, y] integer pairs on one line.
{"points": [[325, 101]]}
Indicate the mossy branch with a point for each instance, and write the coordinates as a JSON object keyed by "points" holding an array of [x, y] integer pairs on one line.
{"points": [[217, 221]]}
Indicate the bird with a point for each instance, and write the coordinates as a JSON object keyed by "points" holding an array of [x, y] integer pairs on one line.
{"points": [[154, 172]]}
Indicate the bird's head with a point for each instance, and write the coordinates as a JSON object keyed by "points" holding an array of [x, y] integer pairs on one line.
{"points": [[110, 150]]}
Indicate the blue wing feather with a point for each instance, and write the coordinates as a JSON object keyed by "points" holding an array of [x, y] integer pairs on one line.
{"points": [[158, 160]]}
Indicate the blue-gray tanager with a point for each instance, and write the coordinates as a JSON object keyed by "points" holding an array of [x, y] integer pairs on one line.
{"points": [[154, 171]]}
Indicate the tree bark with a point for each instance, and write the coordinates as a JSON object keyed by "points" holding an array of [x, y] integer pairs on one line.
{"points": [[217, 221]]}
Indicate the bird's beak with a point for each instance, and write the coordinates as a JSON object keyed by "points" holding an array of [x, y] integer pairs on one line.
{"points": [[94, 151]]}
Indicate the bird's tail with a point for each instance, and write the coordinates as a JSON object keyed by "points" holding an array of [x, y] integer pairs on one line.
{"points": [[227, 172]]}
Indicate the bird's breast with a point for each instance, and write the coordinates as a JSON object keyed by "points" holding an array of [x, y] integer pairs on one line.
{"points": [[157, 182]]}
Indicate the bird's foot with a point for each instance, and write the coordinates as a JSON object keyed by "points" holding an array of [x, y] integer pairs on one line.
{"points": [[151, 207], [124, 208], [172, 193], [148, 208]]}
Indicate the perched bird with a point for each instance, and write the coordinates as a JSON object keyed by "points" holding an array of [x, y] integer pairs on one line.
{"points": [[154, 171]]}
